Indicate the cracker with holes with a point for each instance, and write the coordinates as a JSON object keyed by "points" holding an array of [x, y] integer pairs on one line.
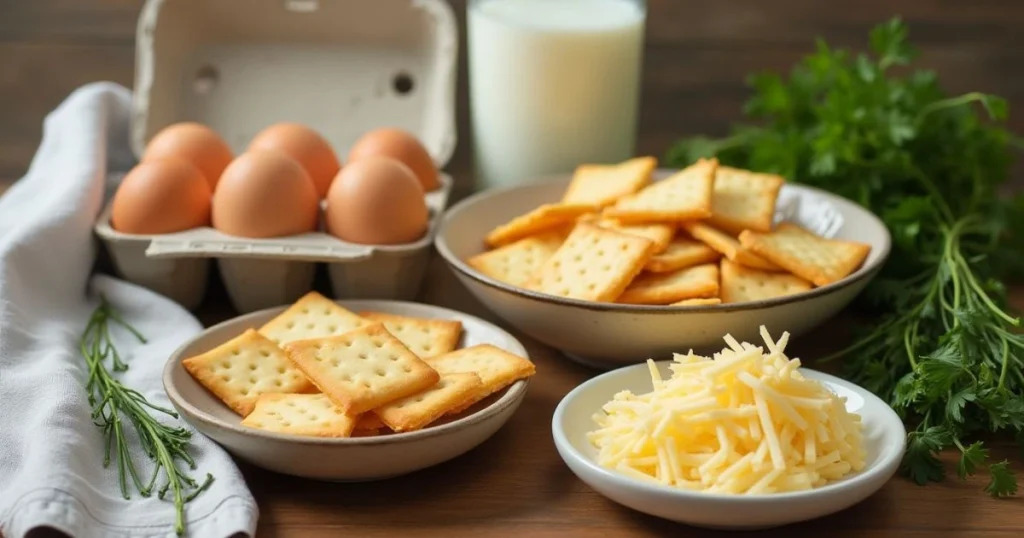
{"points": [[299, 414], [496, 367], [312, 316], [684, 196], [660, 235], [728, 246], [241, 369], [547, 217], [424, 337], [665, 288], [742, 284], [594, 264], [453, 391], [602, 184], [518, 262], [819, 260], [362, 369], [680, 253], [743, 200]]}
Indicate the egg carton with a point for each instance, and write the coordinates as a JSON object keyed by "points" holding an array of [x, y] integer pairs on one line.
{"points": [[260, 273], [341, 67]]}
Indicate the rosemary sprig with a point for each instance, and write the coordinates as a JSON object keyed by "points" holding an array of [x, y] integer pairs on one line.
{"points": [[116, 407]]}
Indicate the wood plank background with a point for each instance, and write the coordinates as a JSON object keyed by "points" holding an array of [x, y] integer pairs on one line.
{"points": [[697, 55]]}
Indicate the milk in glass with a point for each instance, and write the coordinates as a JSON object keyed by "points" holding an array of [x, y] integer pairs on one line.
{"points": [[553, 84]]}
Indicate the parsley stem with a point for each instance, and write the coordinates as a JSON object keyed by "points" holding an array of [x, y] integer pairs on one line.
{"points": [[951, 102]]}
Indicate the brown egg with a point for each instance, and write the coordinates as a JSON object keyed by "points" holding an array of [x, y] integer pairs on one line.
{"points": [[376, 201], [265, 194], [305, 146], [400, 145], [161, 196], [195, 143]]}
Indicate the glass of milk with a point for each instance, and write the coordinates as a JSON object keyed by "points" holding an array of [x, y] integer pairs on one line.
{"points": [[553, 84]]}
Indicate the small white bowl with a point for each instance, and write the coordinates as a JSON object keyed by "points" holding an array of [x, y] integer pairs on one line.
{"points": [[884, 439], [349, 459], [609, 335]]}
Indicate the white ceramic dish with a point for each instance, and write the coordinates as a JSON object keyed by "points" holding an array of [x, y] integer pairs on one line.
{"points": [[350, 459], [884, 438], [610, 335]]}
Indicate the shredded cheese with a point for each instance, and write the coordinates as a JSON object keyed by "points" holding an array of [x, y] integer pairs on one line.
{"points": [[742, 422]]}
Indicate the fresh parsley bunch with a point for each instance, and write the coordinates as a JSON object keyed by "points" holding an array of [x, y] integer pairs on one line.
{"points": [[944, 351]]}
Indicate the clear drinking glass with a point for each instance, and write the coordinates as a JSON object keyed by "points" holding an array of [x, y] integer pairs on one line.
{"points": [[553, 84]]}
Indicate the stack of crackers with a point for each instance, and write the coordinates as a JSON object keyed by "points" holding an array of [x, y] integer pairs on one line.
{"points": [[703, 236], [318, 369]]}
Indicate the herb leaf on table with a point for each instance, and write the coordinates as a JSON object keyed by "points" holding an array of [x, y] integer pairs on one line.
{"points": [[944, 351]]}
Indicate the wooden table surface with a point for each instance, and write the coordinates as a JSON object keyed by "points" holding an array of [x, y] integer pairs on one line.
{"points": [[696, 57]]}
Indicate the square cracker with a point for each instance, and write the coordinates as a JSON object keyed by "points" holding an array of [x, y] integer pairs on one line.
{"points": [[659, 234], [682, 252], [368, 422], [699, 302], [600, 184], [593, 264], [686, 195], [362, 369], [822, 261], [728, 246], [744, 200], [517, 263], [312, 316], [742, 284], [453, 391], [543, 218], [241, 369], [424, 337], [300, 414], [665, 288], [496, 367]]}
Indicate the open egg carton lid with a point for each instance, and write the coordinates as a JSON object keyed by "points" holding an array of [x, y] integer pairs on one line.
{"points": [[340, 67]]}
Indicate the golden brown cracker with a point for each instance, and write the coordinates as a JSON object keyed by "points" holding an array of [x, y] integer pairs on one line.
{"points": [[665, 288], [744, 200], [496, 367], [709, 301], [312, 316], [660, 235], [819, 260], [728, 246], [594, 264], [241, 369], [600, 185], [299, 414], [424, 337], [541, 219], [362, 369], [743, 284], [686, 195], [368, 421], [414, 412], [517, 263], [680, 253]]}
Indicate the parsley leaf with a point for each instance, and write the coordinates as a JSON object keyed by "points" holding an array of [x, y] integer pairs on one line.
{"points": [[1003, 482]]}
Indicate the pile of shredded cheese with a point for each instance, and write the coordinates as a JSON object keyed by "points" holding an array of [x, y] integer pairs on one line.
{"points": [[742, 422]]}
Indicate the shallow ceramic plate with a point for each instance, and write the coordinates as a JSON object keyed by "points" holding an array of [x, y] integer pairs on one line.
{"points": [[610, 335], [884, 439], [358, 458]]}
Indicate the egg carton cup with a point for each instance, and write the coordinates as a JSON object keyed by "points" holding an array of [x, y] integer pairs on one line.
{"points": [[260, 273]]}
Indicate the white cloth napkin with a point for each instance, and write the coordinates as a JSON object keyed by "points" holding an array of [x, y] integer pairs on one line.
{"points": [[51, 454]]}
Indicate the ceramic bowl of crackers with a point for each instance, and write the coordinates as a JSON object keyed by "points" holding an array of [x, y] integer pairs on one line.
{"points": [[349, 391], [615, 264]]}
